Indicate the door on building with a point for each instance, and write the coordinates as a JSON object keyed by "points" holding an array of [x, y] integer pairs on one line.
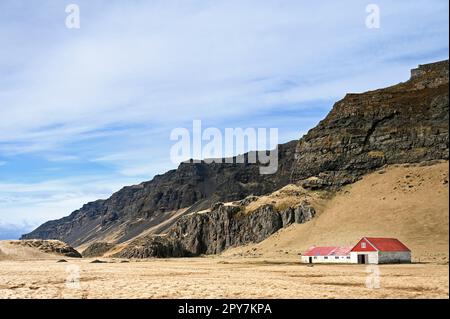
{"points": [[310, 260], [362, 259]]}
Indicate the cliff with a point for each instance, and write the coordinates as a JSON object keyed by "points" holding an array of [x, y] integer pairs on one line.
{"points": [[404, 123]]}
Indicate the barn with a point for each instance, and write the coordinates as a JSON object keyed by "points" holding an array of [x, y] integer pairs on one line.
{"points": [[372, 250], [330, 254]]}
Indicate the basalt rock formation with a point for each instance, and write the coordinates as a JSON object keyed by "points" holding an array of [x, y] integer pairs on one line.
{"points": [[213, 231], [404, 123], [97, 249]]}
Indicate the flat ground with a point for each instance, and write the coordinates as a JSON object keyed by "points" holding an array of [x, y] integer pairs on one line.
{"points": [[216, 277]]}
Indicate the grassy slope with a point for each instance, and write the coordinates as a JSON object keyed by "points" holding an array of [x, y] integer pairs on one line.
{"points": [[409, 202]]}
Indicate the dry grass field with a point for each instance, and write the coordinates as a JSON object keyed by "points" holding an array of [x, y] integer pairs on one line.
{"points": [[216, 277]]}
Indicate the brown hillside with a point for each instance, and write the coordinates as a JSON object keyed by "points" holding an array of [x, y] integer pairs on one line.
{"points": [[409, 202]]}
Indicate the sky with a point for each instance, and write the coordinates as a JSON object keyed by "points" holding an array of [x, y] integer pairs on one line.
{"points": [[85, 111]]}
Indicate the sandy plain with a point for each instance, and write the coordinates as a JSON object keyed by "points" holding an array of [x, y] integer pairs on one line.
{"points": [[218, 277]]}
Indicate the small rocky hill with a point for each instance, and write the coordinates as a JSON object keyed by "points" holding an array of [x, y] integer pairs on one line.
{"points": [[35, 249]]}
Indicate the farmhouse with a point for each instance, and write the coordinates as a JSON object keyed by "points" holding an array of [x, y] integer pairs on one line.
{"points": [[327, 255], [369, 250]]}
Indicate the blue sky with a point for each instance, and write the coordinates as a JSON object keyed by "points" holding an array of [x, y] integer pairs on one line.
{"points": [[86, 111]]}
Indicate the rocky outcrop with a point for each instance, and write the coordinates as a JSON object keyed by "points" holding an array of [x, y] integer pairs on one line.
{"points": [[97, 249], [159, 246], [297, 215], [403, 123], [214, 231], [49, 246]]}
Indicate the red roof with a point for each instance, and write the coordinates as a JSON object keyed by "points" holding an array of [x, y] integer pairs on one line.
{"points": [[327, 251], [386, 244]]}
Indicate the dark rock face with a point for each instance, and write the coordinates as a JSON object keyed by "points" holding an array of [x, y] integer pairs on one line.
{"points": [[298, 215], [403, 123], [159, 246], [97, 249], [225, 226], [213, 232]]}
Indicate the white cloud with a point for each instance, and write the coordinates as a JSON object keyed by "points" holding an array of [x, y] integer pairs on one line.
{"points": [[164, 63], [41, 201], [62, 158]]}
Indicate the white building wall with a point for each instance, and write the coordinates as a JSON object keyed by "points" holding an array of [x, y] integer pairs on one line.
{"points": [[374, 257], [392, 257], [325, 260], [305, 259], [353, 257]]}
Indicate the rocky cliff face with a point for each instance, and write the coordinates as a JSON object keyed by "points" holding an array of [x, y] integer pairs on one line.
{"points": [[97, 249], [407, 122], [213, 231]]}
